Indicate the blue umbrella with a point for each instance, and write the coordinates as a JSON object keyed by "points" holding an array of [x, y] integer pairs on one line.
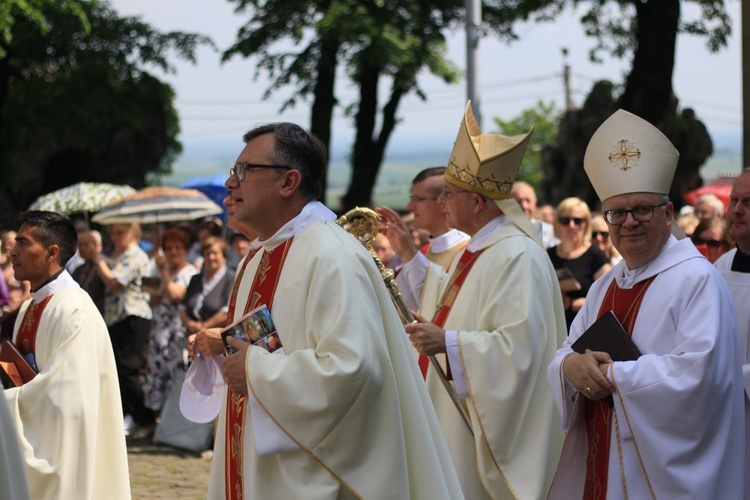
{"points": [[212, 186]]}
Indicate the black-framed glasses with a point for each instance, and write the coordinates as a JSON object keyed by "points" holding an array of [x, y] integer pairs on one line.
{"points": [[240, 168], [603, 234], [640, 214], [420, 199], [565, 221]]}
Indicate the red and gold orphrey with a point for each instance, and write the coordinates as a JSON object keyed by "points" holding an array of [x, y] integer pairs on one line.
{"points": [[458, 277], [598, 414], [26, 338], [262, 292]]}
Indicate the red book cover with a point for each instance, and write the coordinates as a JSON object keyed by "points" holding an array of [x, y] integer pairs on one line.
{"points": [[10, 355]]}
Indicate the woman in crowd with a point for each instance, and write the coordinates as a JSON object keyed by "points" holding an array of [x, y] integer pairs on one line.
{"points": [[600, 238], [18, 291], [128, 317], [167, 350], [711, 237], [575, 252], [207, 296]]}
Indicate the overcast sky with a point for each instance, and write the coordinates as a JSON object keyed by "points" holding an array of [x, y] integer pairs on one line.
{"points": [[217, 103]]}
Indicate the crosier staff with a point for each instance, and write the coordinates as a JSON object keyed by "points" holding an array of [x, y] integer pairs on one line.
{"points": [[362, 223]]}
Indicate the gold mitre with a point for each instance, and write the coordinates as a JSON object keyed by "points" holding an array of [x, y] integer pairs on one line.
{"points": [[629, 155], [485, 163]]}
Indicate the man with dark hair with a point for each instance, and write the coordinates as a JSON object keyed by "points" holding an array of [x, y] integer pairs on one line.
{"points": [[69, 416], [445, 242], [341, 411]]}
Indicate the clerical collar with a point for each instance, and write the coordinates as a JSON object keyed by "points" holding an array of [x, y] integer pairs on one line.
{"points": [[446, 240], [630, 277], [475, 243], [59, 281], [741, 262], [311, 213]]}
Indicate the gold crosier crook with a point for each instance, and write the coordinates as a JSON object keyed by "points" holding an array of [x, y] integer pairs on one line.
{"points": [[362, 223]]}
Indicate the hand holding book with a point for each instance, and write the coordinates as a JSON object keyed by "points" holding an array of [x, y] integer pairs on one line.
{"points": [[255, 327], [15, 368]]}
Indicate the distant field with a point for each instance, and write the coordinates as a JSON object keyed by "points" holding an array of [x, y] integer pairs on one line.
{"points": [[722, 163]]}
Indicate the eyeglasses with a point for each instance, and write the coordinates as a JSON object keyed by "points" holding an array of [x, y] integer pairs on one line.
{"points": [[420, 199], [565, 221], [239, 169], [448, 192], [603, 234], [710, 243], [640, 214]]}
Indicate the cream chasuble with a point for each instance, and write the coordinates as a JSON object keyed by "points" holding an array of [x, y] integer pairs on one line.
{"points": [[347, 392], [680, 405], [69, 418], [509, 320], [13, 484]]}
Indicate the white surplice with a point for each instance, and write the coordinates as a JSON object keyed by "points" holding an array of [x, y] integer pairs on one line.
{"points": [[507, 321], [739, 287], [347, 391], [13, 484], [679, 407], [69, 417]]}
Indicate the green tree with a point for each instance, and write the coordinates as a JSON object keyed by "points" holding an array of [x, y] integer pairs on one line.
{"points": [[372, 41], [647, 30], [13, 11], [544, 118], [77, 105]]}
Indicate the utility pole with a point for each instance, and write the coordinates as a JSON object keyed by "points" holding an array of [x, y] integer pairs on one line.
{"points": [[566, 80], [473, 20]]}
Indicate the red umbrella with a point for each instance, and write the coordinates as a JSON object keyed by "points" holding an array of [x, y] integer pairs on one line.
{"points": [[721, 190]]}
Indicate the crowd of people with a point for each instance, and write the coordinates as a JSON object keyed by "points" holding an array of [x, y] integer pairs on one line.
{"points": [[499, 388]]}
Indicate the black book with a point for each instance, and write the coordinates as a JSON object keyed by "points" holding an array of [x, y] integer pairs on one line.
{"points": [[608, 335]]}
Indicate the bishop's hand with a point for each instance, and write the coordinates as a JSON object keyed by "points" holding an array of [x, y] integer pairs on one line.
{"points": [[588, 373], [427, 338]]}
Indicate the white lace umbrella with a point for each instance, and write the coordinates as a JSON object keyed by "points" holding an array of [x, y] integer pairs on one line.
{"points": [[81, 197], [158, 204]]}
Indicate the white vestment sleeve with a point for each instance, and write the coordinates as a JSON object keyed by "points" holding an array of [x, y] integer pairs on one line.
{"points": [[411, 279], [269, 438], [454, 358]]}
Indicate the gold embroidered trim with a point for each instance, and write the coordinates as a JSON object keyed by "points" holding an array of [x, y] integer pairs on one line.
{"points": [[624, 155]]}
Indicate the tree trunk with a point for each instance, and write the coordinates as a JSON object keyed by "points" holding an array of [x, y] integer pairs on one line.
{"points": [[369, 152], [364, 164], [324, 100], [648, 90]]}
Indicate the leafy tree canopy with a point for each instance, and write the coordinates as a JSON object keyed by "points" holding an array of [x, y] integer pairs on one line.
{"points": [[612, 23], [544, 118], [33, 11], [77, 105]]}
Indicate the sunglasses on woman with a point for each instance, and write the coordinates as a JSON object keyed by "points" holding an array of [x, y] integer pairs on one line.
{"points": [[565, 221]]}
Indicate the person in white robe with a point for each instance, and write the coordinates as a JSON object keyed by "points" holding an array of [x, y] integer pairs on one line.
{"points": [[444, 241], [734, 267], [501, 331], [676, 425], [69, 416], [13, 484], [342, 413]]}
